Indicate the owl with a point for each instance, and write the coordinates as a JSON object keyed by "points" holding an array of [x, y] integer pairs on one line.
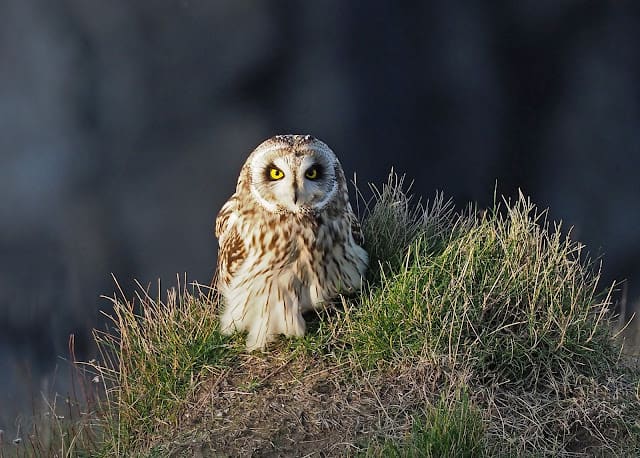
{"points": [[289, 240]]}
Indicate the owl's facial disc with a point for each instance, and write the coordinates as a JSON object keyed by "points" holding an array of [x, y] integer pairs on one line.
{"points": [[299, 182], [311, 185], [291, 186]]}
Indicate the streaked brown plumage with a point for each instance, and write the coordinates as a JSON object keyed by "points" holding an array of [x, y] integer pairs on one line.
{"points": [[289, 240]]}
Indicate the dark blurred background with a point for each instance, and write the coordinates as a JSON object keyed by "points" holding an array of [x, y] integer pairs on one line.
{"points": [[123, 125]]}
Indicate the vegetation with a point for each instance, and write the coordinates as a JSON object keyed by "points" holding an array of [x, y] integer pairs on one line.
{"points": [[450, 428], [153, 362], [478, 334]]}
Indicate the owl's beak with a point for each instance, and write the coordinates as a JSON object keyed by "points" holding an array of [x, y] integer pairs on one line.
{"points": [[296, 194]]}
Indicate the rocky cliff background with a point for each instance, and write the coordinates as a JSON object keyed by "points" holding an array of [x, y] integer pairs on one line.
{"points": [[123, 125]]}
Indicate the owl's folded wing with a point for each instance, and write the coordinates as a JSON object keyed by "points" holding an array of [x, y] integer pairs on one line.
{"points": [[356, 230], [224, 216], [232, 252], [231, 255]]}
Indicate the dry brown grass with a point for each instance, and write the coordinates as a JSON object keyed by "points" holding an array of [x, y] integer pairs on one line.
{"points": [[277, 405], [303, 406]]}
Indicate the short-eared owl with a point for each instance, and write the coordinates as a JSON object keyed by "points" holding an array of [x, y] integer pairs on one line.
{"points": [[289, 240]]}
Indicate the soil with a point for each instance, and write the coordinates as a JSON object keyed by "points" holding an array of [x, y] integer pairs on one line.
{"points": [[273, 407]]}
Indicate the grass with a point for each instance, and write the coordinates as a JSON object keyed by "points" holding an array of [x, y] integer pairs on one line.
{"points": [[478, 334], [452, 427], [66, 426], [155, 359], [500, 292]]}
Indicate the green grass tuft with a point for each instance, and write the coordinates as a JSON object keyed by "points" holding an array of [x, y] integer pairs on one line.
{"points": [[450, 428], [503, 292], [393, 222], [153, 363]]}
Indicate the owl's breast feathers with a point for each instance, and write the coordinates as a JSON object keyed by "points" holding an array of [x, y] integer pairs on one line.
{"points": [[294, 233]]}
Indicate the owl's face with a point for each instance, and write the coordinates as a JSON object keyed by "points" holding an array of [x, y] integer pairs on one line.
{"points": [[293, 173]]}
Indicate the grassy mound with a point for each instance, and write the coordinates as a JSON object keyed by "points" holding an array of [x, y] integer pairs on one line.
{"points": [[498, 292], [478, 334]]}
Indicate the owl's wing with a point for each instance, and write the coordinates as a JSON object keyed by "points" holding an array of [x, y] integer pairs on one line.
{"points": [[232, 251], [224, 216], [356, 230]]}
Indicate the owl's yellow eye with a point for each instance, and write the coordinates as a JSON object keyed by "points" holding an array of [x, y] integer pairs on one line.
{"points": [[312, 173], [276, 174]]}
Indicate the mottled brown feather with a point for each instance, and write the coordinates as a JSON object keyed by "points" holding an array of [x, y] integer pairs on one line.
{"points": [[223, 216], [356, 230], [234, 253]]}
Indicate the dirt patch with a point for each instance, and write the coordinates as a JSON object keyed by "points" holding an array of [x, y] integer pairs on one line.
{"points": [[274, 407], [281, 405]]}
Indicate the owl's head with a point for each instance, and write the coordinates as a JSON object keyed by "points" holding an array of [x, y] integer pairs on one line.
{"points": [[293, 173]]}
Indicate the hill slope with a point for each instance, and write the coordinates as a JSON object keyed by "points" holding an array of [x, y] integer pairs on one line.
{"points": [[479, 333]]}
